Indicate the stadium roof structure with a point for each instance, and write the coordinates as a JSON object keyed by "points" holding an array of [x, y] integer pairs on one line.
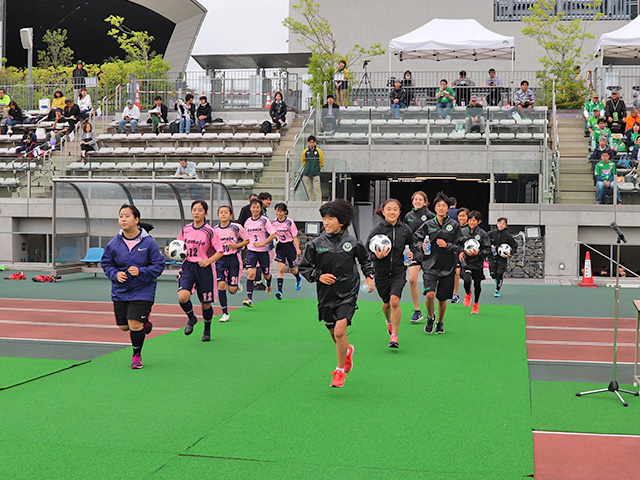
{"points": [[253, 61], [621, 44], [444, 39]]}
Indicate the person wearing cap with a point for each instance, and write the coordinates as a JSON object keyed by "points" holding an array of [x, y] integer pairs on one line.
{"points": [[589, 109], [615, 111], [463, 90], [475, 116], [71, 113], [494, 92], [131, 115], [79, 75]]}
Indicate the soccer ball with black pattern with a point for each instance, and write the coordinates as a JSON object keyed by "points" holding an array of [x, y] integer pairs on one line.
{"points": [[379, 241], [178, 250]]}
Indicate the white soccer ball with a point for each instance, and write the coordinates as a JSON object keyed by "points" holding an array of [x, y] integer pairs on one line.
{"points": [[380, 241], [472, 247], [504, 250], [178, 250]]}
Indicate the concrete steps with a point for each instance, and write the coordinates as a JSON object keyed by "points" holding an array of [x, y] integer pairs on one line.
{"points": [[575, 180]]}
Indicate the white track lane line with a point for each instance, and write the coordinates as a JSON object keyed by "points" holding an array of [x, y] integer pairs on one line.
{"points": [[590, 362], [586, 329], [588, 434], [86, 312], [64, 341], [578, 344], [75, 325]]}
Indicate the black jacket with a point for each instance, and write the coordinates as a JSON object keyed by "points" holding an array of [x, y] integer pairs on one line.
{"points": [[400, 94], [497, 238], [245, 213], [337, 254], [204, 110], [79, 76], [619, 107], [164, 112], [415, 218], [278, 110], [16, 113], [443, 260], [400, 235], [477, 262]]}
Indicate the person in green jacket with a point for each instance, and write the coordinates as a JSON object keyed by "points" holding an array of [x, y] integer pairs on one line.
{"points": [[313, 161], [590, 110], [605, 173], [445, 97]]}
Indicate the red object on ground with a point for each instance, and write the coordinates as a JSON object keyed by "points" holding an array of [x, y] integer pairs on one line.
{"points": [[587, 276], [137, 102]]}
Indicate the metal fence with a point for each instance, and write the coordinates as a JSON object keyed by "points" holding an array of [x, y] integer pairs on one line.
{"points": [[626, 79], [19, 91], [516, 10]]}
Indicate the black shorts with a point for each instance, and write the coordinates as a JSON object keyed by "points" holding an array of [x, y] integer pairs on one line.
{"points": [[286, 253], [330, 315], [390, 285], [497, 266], [477, 275], [442, 285], [259, 259], [193, 276], [228, 269], [138, 310]]}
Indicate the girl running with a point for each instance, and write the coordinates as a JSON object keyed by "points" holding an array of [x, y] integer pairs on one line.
{"points": [[388, 263], [414, 219], [133, 262], [330, 261], [288, 248], [261, 233], [472, 263], [228, 269], [463, 220], [203, 248]]}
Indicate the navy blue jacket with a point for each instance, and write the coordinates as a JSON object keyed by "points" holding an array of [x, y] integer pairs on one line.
{"points": [[145, 255]]}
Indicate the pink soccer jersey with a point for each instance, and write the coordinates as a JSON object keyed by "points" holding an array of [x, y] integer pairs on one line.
{"points": [[258, 231], [231, 234], [286, 230], [201, 242]]}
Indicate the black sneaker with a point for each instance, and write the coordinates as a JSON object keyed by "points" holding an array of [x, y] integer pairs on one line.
{"points": [[148, 326], [206, 337], [260, 286], [428, 328], [440, 327], [188, 328], [455, 299]]}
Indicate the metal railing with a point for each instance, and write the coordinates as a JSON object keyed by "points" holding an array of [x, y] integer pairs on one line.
{"points": [[611, 260], [297, 189], [19, 91], [516, 10], [626, 79]]}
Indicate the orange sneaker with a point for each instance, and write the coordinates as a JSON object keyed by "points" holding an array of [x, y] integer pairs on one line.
{"points": [[338, 379], [389, 328], [393, 341], [467, 300], [348, 363], [475, 309]]}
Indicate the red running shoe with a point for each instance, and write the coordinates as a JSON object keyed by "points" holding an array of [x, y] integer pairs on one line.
{"points": [[389, 328], [467, 300], [475, 308], [393, 341], [338, 379], [348, 363]]}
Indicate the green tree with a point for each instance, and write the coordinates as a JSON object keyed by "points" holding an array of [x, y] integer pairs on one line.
{"points": [[56, 54], [136, 43], [314, 32], [563, 43]]}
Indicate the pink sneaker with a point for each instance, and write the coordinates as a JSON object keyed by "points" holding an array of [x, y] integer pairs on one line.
{"points": [[475, 308], [136, 361], [348, 363], [467, 300]]}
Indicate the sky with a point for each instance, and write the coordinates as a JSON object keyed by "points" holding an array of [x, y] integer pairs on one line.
{"points": [[242, 26]]}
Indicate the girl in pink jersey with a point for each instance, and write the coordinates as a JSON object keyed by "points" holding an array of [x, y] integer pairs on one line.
{"points": [[288, 249], [261, 233], [203, 248], [228, 269]]}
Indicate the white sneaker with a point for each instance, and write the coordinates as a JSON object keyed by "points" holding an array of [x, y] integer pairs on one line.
{"points": [[225, 317], [9, 132], [240, 288]]}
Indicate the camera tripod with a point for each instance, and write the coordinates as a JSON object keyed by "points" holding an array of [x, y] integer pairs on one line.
{"points": [[365, 84]]}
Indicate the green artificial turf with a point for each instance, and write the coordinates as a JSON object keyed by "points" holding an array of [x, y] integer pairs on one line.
{"points": [[15, 370], [556, 408], [257, 398]]}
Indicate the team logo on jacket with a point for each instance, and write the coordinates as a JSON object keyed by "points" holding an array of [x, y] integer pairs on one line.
{"points": [[449, 228], [423, 218], [477, 237], [347, 246]]}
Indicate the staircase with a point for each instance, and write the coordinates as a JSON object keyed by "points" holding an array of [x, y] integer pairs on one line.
{"points": [[575, 180]]}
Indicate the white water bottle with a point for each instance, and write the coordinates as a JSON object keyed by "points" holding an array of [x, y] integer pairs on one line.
{"points": [[406, 253], [426, 245]]}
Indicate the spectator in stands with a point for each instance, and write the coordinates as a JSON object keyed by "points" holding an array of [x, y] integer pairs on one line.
{"points": [[245, 212], [330, 115], [605, 173], [463, 88], [88, 142], [408, 84], [493, 98], [592, 121], [340, 82], [615, 112], [634, 156], [398, 97], [313, 162], [292, 100], [524, 99], [631, 135], [278, 112], [56, 103], [445, 97], [59, 129], [475, 116], [72, 113], [158, 114], [14, 116], [187, 112], [601, 130], [79, 82], [84, 103], [186, 169], [592, 107], [4, 103], [130, 115], [603, 146], [29, 142], [632, 118], [203, 113]]}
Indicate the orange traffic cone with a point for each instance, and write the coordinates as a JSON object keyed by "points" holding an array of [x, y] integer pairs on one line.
{"points": [[587, 276], [268, 105], [137, 102]]}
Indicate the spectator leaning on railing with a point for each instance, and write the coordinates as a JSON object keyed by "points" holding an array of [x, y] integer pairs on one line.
{"points": [[186, 169]]}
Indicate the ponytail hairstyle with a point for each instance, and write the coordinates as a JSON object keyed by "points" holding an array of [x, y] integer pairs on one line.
{"points": [[384, 204]]}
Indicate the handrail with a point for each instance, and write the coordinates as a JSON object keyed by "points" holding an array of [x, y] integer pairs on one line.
{"points": [[607, 257]]}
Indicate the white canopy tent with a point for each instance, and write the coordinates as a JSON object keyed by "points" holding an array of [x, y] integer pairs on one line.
{"points": [[621, 43]]}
